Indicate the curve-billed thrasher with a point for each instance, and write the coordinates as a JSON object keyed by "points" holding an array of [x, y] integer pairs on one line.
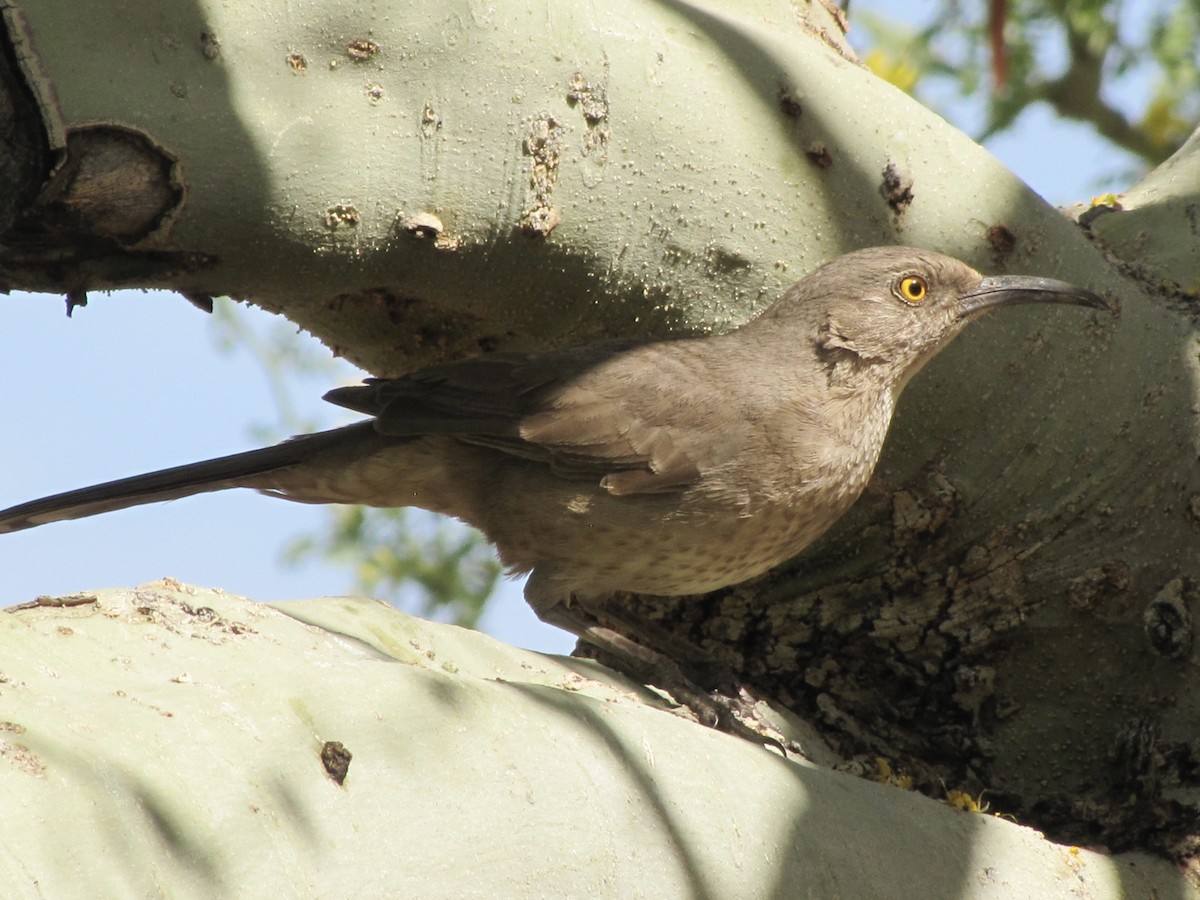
{"points": [[659, 467]]}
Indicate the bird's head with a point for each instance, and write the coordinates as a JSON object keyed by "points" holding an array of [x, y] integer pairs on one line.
{"points": [[889, 310]]}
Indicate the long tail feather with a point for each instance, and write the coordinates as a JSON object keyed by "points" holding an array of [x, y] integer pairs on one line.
{"points": [[237, 470]]}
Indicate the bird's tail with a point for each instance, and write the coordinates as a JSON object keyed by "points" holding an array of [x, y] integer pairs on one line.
{"points": [[251, 469]]}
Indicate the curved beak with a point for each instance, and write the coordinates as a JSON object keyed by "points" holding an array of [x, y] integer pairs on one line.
{"points": [[1009, 290]]}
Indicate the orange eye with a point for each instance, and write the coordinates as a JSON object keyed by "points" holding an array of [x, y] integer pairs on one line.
{"points": [[912, 289]]}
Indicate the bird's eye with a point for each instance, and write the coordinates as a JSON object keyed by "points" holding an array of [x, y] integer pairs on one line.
{"points": [[912, 289]]}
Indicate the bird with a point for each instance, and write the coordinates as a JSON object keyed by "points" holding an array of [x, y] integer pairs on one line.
{"points": [[669, 467]]}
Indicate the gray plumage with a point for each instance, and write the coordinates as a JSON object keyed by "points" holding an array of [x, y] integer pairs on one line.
{"points": [[665, 467]]}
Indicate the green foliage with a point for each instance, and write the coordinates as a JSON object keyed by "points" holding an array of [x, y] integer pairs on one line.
{"points": [[392, 551], [287, 361], [1067, 53]]}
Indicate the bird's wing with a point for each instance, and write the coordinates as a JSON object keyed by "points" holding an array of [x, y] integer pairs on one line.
{"points": [[578, 411]]}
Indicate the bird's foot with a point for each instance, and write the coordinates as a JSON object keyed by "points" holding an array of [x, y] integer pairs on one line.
{"points": [[737, 714], [713, 698]]}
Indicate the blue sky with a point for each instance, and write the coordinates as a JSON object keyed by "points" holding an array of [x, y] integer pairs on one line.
{"points": [[135, 382]]}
